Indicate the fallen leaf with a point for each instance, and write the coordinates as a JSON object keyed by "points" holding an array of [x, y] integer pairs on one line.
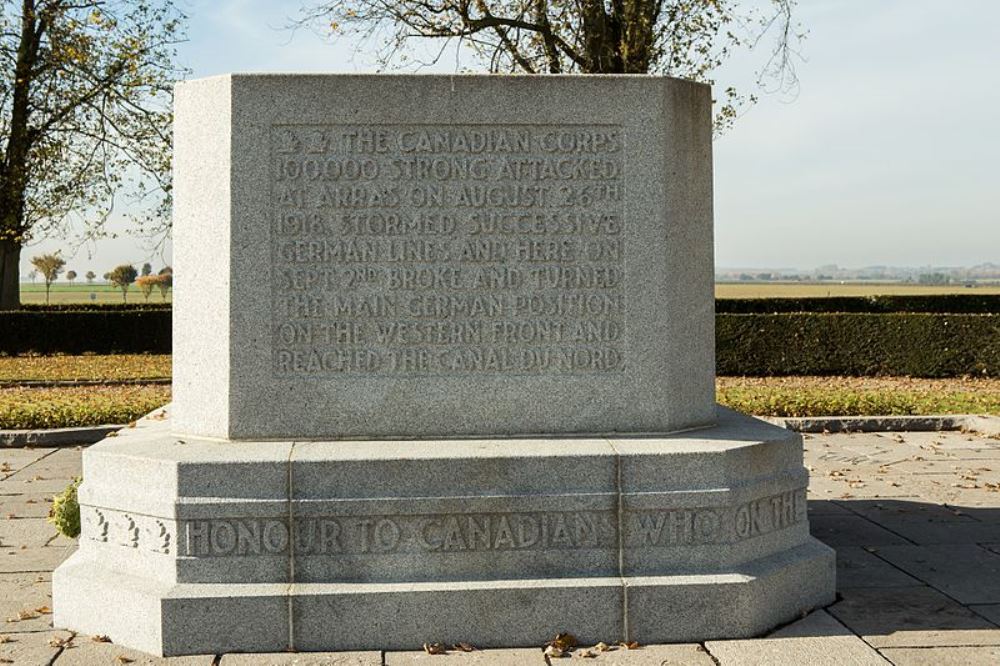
{"points": [[631, 645], [603, 647], [56, 642], [43, 610], [464, 647], [122, 659], [100, 638], [586, 654], [434, 648], [564, 642], [553, 651]]}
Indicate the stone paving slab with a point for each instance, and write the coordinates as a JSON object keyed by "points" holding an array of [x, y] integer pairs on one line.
{"points": [[859, 566], [15, 506], [25, 602], [912, 617], [492, 657], [32, 648], [965, 572], [12, 460], [85, 651], [29, 560], [990, 611], [822, 507], [817, 640], [50, 474], [902, 509], [29, 533], [944, 656], [304, 659], [851, 530]]}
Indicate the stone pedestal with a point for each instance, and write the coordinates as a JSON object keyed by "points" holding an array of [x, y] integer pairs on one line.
{"points": [[193, 545], [431, 337]]}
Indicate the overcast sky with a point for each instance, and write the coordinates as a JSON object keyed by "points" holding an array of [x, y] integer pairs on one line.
{"points": [[887, 154]]}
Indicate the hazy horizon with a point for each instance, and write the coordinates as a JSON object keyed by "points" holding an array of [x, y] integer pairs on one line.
{"points": [[885, 156]]}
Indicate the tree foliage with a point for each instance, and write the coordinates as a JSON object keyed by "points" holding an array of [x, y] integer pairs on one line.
{"points": [[50, 266], [85, 99], [165, 280], [121, 277], [147, 283], [684, 38]]}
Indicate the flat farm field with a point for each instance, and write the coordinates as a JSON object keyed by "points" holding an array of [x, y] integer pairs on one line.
{"points": [[63, 292], [820, 289]]}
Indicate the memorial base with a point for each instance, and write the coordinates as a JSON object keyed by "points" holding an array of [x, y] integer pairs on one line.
{"points": [[197, 546]]}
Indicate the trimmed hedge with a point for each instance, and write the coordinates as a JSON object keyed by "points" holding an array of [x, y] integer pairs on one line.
{"points": [[94, 307], [906, 344], [941, 303], [105, 331], [853, 344]]}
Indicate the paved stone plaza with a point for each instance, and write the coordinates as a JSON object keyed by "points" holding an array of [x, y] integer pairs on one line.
{"points": [[914, 517]]}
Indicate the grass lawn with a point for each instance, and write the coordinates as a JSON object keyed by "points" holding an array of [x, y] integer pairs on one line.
{"points": [[858, 396], [27, 408], [806, 290], [80, 292], [23, 407], [89, 367]]}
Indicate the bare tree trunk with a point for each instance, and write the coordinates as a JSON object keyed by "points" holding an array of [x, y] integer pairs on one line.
{"points": [[10, 289], [13, 169]]}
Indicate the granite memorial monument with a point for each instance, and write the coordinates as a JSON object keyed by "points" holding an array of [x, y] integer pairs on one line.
{"points": [[443, 371]]}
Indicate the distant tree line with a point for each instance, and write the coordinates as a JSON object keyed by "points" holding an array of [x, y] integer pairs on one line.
{"points": [[50, 266]]}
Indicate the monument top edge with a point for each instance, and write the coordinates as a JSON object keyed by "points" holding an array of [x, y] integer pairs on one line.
{"points": [[423, 76]]}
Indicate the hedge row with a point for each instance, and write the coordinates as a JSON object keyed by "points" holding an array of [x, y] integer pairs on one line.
{"points": [[919, 345], [95, 307], [107, 331], [906, 344], [940, 303]]}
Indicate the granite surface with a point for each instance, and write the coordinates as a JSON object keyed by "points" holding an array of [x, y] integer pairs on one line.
{"points": [[362, 545], [434, 256]]}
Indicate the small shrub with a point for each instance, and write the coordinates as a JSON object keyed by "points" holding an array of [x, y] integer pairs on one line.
{"points": [[65, 511]]}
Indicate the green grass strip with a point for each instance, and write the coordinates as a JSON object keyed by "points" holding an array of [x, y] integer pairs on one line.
{"points": [[87, 367], [31, 408]]}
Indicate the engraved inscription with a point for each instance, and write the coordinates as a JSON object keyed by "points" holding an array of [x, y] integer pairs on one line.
{"points": [[447, 533], [428, 250], [685, 527], [337, 535]]}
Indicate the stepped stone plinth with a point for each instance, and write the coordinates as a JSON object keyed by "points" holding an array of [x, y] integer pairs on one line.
{"points": [[443, 371]]}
